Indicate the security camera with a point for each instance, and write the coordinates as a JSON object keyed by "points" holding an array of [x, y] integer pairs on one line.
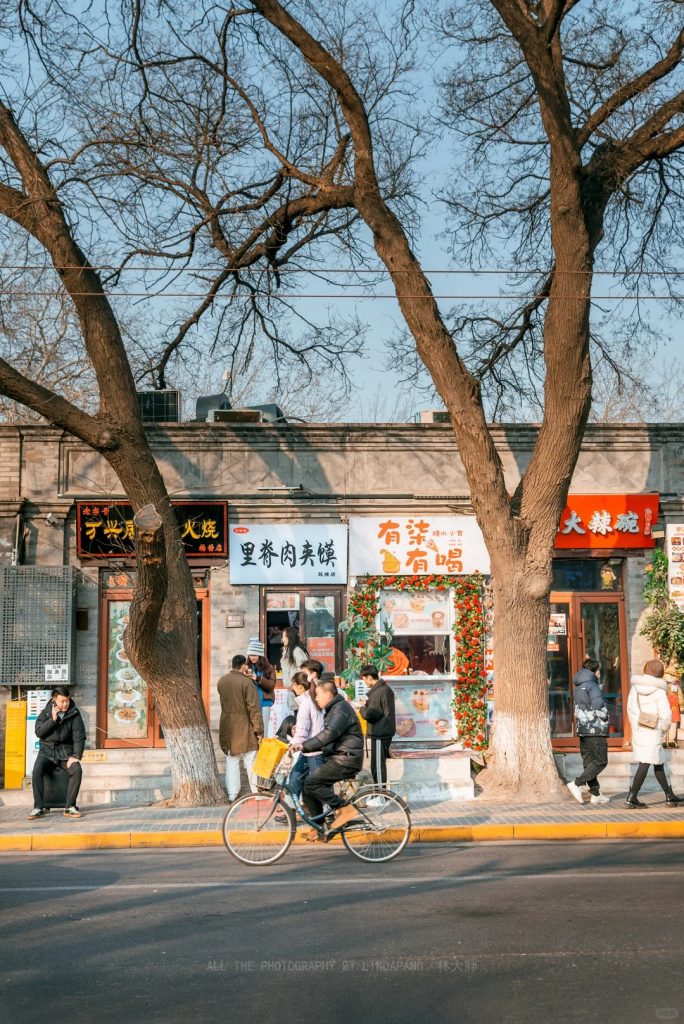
{"points": [[51, 519]]}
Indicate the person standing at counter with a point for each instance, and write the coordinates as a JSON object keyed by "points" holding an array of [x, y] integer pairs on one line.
{"points": [[378, 711], [293, 656]]}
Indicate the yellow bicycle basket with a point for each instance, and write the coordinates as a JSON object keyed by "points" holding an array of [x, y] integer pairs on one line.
{"points": [[271, 752]]}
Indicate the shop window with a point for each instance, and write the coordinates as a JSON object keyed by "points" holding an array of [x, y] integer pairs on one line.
{"points": [[587, 574], [422, 624]]}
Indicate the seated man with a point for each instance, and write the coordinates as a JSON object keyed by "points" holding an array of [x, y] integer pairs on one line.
{"points": [[61, 732], [341, 742]]}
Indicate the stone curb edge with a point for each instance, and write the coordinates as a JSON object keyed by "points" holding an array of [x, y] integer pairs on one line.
{"points": [[420, 834]]}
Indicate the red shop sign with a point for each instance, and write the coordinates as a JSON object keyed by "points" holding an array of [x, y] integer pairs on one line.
{"points": [[608, 521]]}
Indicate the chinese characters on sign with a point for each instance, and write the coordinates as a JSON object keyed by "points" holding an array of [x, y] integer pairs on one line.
{"points": [[416, 545], [674, 534], [106, 530], [608, 521], [275, 553]]}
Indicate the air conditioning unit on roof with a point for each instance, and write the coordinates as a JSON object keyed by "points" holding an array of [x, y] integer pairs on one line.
{"points": [[434, 416]]}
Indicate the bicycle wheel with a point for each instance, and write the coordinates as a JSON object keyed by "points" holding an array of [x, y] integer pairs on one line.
{"points": [[383, 827], [251, 832]]}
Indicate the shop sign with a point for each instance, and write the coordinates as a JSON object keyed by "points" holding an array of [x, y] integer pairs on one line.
{"points": [[264, 553], [674, 539], [416, 545], [106, 530], [608, 521]]}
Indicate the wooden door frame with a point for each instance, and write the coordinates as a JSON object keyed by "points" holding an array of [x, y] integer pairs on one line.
{"points": [[153, 740], [339, 590], [575, 600]]}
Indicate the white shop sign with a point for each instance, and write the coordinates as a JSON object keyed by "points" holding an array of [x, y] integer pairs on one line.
{"points": [[674, 535], [417, 545], [277, 553]]}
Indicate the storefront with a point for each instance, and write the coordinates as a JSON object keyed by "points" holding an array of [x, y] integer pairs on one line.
{"points": [[597, 537], [126, 716], [420, 580], [300, 571]]}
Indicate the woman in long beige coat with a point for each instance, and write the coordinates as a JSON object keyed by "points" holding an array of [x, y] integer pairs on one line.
{"points": [[241, 728]]}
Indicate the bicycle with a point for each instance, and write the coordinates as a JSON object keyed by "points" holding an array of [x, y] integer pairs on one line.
{"points": [[253, 836]]}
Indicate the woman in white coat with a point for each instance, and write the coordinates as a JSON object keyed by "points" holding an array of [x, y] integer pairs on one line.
{"points": [[649, 695]]}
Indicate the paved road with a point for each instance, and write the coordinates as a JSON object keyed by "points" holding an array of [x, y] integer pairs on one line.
{"points": [[553, 932]]}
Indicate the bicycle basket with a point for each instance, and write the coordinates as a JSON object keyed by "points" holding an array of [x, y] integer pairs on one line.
{"points": [[271, 753]]}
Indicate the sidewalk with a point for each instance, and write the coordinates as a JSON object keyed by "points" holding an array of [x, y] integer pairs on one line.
{"points": [[111, 826]]}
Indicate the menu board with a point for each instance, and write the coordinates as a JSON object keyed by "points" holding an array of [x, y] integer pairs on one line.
{"points": [[126, 690], [674, 534], [423, 710], [416, 614]]}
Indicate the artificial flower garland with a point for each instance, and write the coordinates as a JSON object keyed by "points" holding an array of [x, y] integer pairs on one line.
{"points": [[468, 701]]}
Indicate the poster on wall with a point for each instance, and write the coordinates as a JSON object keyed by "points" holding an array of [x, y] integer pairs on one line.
{"points": [[126, 689], [416, 546], [674, 539], [272, 553], [608, 521], [423, 711]]}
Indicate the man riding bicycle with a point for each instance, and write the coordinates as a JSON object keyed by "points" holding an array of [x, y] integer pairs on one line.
{"points": [[341, 742]]}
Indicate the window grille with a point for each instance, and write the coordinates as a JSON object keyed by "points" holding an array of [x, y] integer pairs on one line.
{"points": [[36, 623]]}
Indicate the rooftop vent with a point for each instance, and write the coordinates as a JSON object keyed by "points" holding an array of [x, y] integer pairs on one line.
{"points": [[207, 405], [433, 416]]}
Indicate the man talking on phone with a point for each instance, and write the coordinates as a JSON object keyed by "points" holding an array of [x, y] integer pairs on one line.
{"points": [[61, 732]]}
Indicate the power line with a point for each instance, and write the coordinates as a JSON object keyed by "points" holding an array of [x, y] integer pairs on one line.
{"points": [[502, 271], [219, 297]]}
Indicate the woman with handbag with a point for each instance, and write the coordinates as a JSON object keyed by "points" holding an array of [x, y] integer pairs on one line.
{"points": [[649, 717]]}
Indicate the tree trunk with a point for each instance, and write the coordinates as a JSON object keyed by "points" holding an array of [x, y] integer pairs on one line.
{"points": [[520, 759], [161, 639]]}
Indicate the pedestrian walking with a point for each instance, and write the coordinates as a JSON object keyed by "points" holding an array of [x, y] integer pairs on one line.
{"points": [[591, 724], [649, 717], [676, 701], [62, 735], [241, 728], [264, 677], [378, 711]]}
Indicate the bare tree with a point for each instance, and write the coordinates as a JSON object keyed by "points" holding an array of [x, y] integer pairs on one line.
{"points": [[597, 134]]}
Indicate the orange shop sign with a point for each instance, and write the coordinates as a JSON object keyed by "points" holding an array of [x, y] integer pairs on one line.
{"points": [[608, 521]]}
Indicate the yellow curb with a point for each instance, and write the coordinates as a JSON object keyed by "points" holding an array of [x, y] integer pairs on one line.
{"points": [[558, 830], [645, 829], [81, 841], [188, 838], [15, 843], [459, 833]]}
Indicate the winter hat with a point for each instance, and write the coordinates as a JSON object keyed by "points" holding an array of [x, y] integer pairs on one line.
{"points": [[255, 647]]}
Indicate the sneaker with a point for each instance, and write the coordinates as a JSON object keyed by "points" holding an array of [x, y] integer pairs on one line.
{"points": [[281, 818], [576, 792], [72, 812], [310, 835], [376, 801], [599, 798], [37, 812]]}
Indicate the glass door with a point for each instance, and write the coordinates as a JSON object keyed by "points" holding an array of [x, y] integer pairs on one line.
{"points": [[315, 612], [559, 668], [602, 637]]}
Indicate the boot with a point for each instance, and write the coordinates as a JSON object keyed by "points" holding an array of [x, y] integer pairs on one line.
{"points": [[670, 798], [632, 801]]}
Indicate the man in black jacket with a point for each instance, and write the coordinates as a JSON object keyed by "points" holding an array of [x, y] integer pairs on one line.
{"points": [[341, 742], [378, 711], [61, 732]]}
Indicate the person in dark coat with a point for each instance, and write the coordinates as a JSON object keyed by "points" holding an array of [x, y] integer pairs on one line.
{"points": [[378, 711], [341, 742], [591, 723], [61, 732]]}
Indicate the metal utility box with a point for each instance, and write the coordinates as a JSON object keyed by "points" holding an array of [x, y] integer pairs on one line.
{"points": [[37, 631]]}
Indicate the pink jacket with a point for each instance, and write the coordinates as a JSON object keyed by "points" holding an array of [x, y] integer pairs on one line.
{"points": [[309, 722]]}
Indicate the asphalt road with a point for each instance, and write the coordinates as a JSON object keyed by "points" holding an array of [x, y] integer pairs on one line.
{"points": [[549, 932]]}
